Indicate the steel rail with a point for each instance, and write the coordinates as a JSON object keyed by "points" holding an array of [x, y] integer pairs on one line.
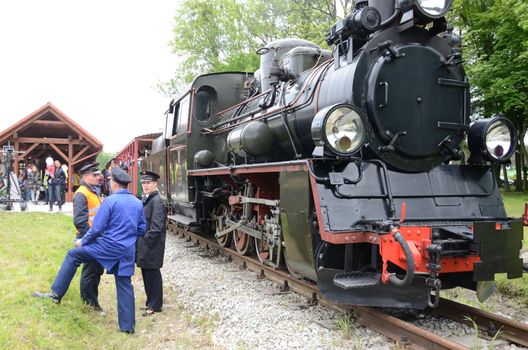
{"points": [[400, 331], [507, 329]]}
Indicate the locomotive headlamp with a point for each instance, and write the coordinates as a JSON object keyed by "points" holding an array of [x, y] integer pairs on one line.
{"points": [[433, 9], [492, 139], [339, 128]]}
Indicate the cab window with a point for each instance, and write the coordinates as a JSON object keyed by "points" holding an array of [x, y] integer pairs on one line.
{"points": [[183, 115], [205, 101]]}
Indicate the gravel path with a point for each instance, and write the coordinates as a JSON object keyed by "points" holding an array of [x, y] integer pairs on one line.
{"points": [[246, 313], [249, 313]]}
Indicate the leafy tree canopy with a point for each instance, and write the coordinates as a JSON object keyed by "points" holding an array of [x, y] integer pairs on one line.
{"points": [[104, 157], [222, 35], [496, 49]]}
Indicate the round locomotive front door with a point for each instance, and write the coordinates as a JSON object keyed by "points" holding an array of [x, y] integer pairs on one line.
{"points": [[417, 101]]}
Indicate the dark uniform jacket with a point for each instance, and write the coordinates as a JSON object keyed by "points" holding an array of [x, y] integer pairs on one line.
{"points": [[151, 247], [59, 177]]}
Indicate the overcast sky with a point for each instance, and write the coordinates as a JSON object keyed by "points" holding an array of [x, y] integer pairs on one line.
{"points": [[97, 61]]}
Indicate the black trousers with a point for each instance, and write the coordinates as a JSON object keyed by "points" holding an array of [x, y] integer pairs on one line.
{"points": [[153, 288], [90, 278]]}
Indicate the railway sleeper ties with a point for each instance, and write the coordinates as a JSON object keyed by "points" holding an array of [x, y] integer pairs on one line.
{"points": [[285, 287], [313, 300]]}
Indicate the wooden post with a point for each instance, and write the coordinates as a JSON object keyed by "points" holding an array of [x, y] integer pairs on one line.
{"points": [[135, 152], [70, 168], [15, 163]]}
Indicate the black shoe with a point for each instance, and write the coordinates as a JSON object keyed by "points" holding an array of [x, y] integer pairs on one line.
{"points": [[54, 297], [97, 308], [126, 332], [150, 312]]}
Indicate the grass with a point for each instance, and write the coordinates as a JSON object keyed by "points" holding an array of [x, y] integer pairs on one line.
{"points": [[477, 343], [32, 246], [518, 288]]}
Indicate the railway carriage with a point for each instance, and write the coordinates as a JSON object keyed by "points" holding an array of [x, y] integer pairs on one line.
{"points": [[345, 167]]}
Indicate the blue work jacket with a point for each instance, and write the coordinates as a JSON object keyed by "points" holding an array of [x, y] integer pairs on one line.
{"points": [[116, 227]]}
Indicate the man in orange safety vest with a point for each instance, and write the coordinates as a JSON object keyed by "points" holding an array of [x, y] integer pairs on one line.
{"points": [[85, 205]]}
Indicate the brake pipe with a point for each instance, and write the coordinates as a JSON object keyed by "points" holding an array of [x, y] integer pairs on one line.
{"points": [[409, 274]]}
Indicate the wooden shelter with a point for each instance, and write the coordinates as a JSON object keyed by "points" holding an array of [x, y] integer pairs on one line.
{"points": [[49, 132], [131, 157]]}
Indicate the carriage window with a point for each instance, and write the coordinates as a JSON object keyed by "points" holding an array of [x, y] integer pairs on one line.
{"points": [[183, 115], [204, 105]]}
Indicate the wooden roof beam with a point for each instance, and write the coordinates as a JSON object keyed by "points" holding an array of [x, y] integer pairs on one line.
{"points": [[48, 122], [79, 154], [51, 140], [57, 149], [85, 158], [26, 152]]}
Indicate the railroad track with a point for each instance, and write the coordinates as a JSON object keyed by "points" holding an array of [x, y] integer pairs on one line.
{"points": [[491, 324], [400, 331]]}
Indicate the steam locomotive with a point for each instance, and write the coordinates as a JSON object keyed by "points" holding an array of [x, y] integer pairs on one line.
{"points": [[345, 167]]}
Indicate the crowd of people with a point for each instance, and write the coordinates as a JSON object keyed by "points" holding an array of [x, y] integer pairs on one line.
{"points": [[113, 234], [49, 185]]}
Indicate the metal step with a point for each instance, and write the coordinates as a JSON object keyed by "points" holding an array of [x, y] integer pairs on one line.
{"points": [[352, 280], [185, 220]]}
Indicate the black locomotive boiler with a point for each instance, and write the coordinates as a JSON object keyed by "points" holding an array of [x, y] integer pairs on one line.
{"points": [[345, 167]]}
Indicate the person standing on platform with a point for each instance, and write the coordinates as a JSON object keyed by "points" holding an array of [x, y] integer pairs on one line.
{"points": [[105, 190], [111, 241], [57, 180], [33, 184], [45, 184], [86, 202], [151, 247]]}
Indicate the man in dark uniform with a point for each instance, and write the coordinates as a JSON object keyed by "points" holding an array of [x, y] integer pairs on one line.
{"points": [[111, 241], [151, 247], [86, 202], [105, 190]]}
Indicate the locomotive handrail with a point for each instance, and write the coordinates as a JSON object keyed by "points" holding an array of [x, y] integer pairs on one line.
{"points": [[243, 103], [393, 16], [389, 196], [443, 195], [291, 105], [437, 195]]}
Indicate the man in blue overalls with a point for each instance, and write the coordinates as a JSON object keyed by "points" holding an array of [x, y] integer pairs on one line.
{"points": [[111, 241]]}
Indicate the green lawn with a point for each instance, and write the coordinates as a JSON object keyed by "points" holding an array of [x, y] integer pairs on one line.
{"points": [[514, 203], [32, 246]]}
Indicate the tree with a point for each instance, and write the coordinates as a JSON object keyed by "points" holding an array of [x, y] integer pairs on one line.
{"points": [[222, 35], [496, 48], [104, 157]]}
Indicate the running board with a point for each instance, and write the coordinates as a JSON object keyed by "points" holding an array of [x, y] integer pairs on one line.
{"points": [[352, 280], [184, 220]]}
